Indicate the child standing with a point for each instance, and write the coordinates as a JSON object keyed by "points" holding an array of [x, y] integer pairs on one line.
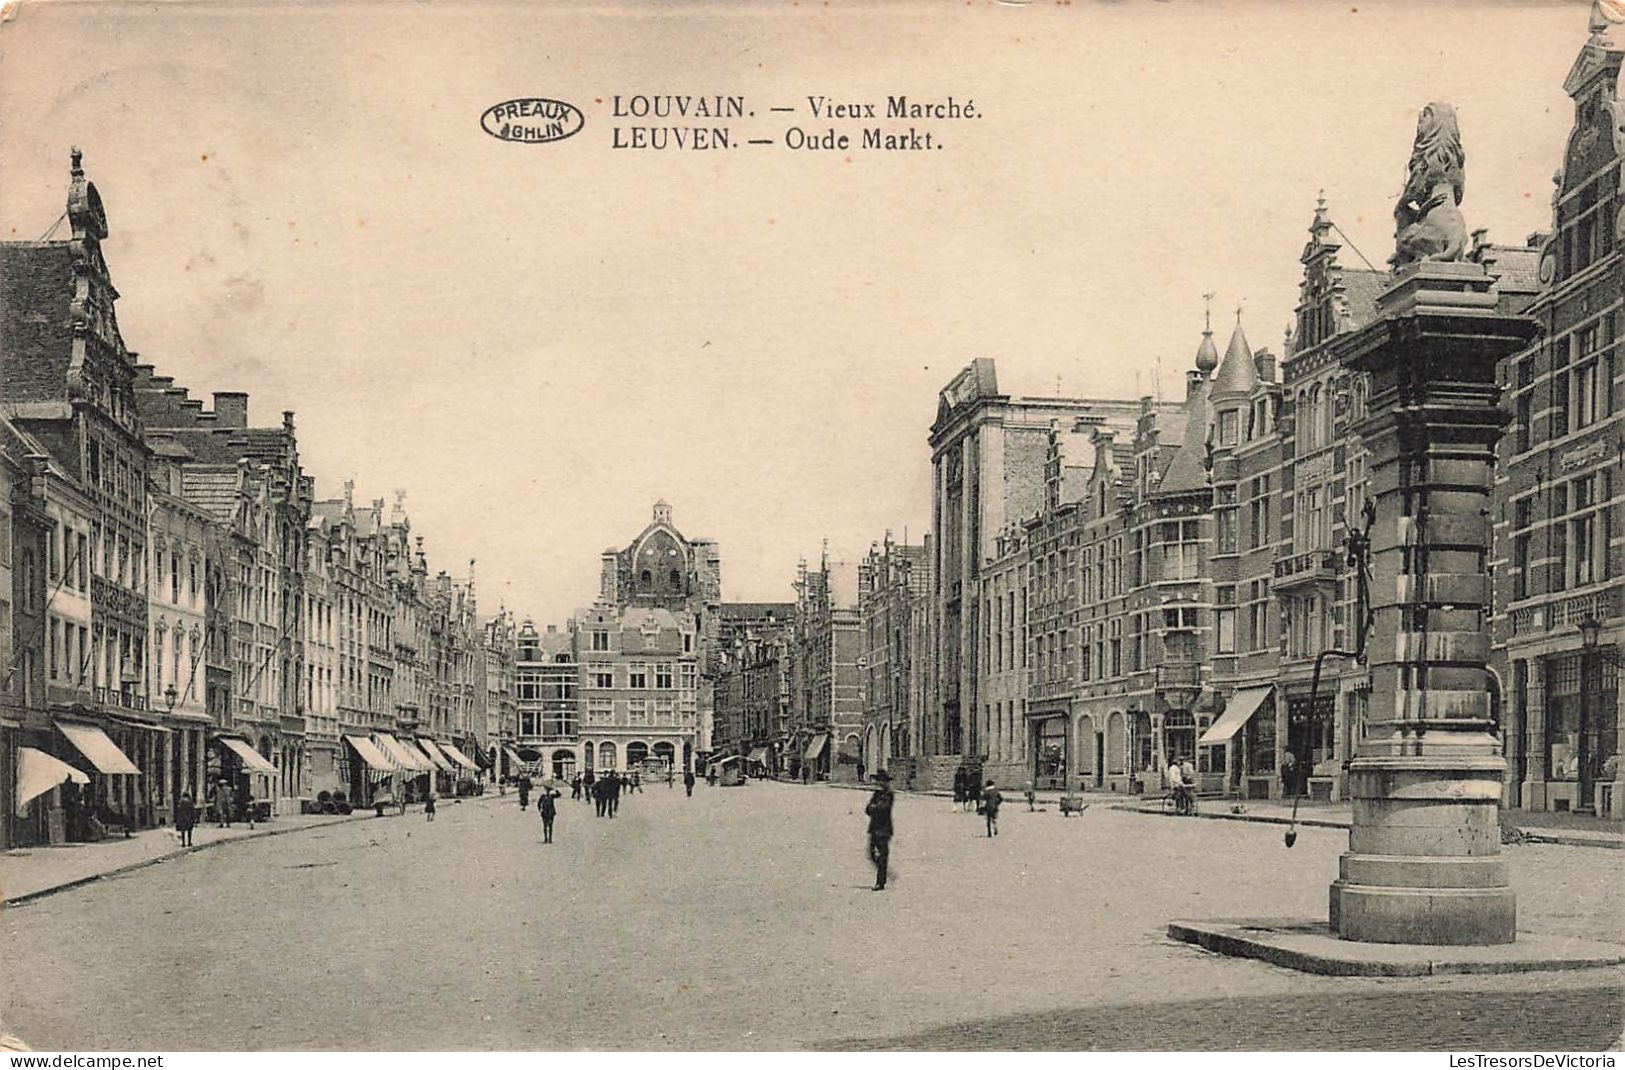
{"points": [[428, 806], [991, 801]]}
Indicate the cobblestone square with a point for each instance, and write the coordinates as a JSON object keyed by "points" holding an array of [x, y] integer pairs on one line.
{"points": [[742, 918]]}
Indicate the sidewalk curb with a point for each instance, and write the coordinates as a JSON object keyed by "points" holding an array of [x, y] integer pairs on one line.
{"points": [[1532, 835], [130, 867]]}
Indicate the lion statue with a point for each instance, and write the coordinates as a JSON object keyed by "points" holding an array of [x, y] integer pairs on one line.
{"points": [[1427, 220]]}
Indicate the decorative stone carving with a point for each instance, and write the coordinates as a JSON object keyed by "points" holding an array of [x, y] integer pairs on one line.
{"points": [[1428, 224]]}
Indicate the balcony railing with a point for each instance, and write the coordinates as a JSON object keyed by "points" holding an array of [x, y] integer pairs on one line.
{"points": [[112, 696], [1316, 566], [1565, 612]]}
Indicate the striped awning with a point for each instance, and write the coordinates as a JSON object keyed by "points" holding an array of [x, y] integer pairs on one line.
{"points": [[369, 752], [433, 751], [457, 756], [405, 757]]}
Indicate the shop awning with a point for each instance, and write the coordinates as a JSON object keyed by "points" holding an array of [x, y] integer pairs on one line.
{"points": [[405, 757], [370, 753], [146, 726], [482, 757], [1243, 704], [457, 756], [253, 761], [759, 754], [93, 743], [38, 773], [513, 757], [816, 747], [435, 756]]}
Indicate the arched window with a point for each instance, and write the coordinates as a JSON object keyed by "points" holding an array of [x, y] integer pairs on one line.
{"points": [[676, 580], [606, 756], [646, 578]]}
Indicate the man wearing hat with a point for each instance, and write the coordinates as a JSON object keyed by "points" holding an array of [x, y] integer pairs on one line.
{"points": [[880, 829]]}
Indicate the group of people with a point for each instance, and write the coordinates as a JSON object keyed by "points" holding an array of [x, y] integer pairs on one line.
{"points": [[1182, 786]]}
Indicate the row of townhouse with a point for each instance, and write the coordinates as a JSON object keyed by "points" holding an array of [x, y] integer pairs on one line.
{"points": [[1114, 585], [179, 615]]}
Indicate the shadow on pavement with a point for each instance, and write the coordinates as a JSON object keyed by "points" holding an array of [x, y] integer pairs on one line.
{"points": [[1567, 1019]]}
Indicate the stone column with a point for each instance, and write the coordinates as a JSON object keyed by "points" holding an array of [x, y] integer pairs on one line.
{"points": [[1534, 726], [1424, 864]]}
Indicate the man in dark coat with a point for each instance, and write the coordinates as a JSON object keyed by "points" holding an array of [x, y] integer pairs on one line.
{"points": [[600, 797], [688, 781], [524, 792], [880, 827], [185, 818], [587, 781], [615, 783]]}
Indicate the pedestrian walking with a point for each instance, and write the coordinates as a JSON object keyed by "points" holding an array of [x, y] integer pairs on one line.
{"points": [[524, 792], [637, 783], [688, 782], [880, 828], [600, 798], [991, 801], [973, 788], [1032, 797], [222, 803], [615, 785], [711, 775], [548, 811], [587, 782], [185, 818], [1187, 773], [428, 807], [575, 786]]}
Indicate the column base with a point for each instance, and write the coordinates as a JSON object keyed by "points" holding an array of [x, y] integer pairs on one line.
{"points": [[1445, 916], [1424, 863]]}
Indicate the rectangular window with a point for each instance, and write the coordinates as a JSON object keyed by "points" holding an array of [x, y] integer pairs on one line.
{"points": [[1225, 531], [600, 640], [1560, 405], [663, 677], [1224, 631], [1587, 392], [637, 711], [637, 677], [1523, 422]]}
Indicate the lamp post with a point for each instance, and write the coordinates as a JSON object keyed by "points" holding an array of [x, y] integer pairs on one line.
{"points": [[1589, 628]]}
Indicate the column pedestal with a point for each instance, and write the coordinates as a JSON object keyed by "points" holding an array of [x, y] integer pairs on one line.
{"points": [[1424, 863]]}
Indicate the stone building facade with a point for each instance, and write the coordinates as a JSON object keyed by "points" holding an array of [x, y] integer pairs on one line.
{"points": [[894, 582], [1559, 559]]}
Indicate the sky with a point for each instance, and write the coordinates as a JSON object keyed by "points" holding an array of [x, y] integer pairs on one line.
{"points": [[537, 341]]}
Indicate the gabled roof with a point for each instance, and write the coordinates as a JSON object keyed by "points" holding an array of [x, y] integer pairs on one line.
{"points": [[36, 332], [1187, 472], [212, 488], [1361, 288]]}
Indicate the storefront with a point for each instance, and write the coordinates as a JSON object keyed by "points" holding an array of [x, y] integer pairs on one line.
{"points": [[1311, 738], [1581, 731], [1050, 757], [1239, 743]]}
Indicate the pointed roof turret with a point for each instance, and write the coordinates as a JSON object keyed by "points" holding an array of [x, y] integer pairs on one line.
{"points": [[1237, 372]]}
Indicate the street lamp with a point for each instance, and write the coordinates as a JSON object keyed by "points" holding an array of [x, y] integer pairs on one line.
{"points": [[170, 697]]}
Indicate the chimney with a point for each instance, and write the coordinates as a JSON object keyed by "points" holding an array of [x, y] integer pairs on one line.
{"points": [[1195, 379], [1264, 361], [231, 408]]}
